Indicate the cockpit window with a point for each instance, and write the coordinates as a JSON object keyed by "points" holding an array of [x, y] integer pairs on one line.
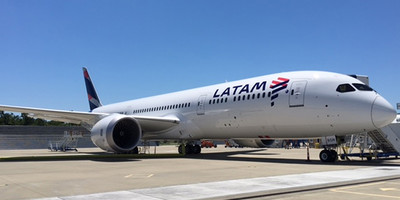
{"points": [[362, 87], [345, 88]]}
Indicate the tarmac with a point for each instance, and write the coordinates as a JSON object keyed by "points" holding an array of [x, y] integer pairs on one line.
{"points": [[217, 173]]}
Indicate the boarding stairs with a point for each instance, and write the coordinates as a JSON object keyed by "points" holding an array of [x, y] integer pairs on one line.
{"points": [[67, 143], [359, 140], [387, 138]]}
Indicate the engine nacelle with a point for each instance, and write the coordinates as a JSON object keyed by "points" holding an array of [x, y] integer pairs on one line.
{"points": [[255, 143], [116, 133]]}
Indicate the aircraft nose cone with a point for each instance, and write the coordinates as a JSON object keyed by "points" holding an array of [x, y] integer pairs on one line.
{"points": [[382, 112]]}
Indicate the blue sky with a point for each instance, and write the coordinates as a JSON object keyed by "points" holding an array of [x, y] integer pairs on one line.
{"points": [[136, 49]]}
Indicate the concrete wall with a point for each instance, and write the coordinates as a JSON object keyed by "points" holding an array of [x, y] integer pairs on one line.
{"points": [[38, 137]]}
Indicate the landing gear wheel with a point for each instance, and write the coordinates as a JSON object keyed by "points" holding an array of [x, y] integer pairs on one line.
{"points": [[328, 156], [180, 149], [334, 155], [189, 149], [196, 149]]}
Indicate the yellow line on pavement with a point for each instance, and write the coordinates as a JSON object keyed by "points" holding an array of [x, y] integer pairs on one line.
{"points": [[343, 190]]}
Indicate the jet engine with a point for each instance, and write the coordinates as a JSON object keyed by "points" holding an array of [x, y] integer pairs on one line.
{"points": [[116, 133], [255, 143]]}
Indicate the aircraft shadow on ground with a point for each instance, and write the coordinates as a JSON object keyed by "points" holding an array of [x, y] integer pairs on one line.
{"points": [[256, 156]]}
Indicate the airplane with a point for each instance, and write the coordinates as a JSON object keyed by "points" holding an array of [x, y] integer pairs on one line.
{"points": [[299, 104]]}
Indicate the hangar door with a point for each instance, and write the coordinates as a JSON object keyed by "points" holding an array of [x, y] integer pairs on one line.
{"points": [[297, 90]]}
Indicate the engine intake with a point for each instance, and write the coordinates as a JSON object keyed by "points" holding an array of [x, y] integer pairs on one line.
{"points": [[116, 133]]}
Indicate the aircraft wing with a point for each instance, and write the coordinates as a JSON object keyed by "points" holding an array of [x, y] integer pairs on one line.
{"points": [[148, 123], [56, 115]]}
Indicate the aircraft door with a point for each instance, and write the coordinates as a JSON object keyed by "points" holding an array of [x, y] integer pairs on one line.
{"points": [[297, 90], [201, 105]]}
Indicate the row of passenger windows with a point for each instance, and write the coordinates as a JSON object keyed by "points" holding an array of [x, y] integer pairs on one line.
{"points": [[160, 108], [349, 88], [212, 101], [240, 98]]}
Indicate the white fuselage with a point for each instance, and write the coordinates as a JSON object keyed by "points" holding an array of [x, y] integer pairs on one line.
{"points": [[285, 105]]}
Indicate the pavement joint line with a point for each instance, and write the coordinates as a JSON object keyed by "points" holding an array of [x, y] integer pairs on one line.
{"points": [[247, 187]]}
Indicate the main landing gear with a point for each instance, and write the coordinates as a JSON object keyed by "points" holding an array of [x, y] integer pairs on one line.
{"points": [[189, 149], [328, 155]]}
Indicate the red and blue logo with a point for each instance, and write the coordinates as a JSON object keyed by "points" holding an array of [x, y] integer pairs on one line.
{"points": [[277, 86]]}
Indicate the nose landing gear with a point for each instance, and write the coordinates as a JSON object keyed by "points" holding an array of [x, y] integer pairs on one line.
{"points": [[328, 155]]}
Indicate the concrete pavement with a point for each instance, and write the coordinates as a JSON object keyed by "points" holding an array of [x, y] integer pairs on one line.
{"points": [[28, 179]]}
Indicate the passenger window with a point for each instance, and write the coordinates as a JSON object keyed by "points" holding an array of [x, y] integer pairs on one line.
{"points": [[362, 87], [345, 88]]}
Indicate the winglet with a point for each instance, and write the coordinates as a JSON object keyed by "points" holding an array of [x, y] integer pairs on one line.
{"points": [[94, 101]]}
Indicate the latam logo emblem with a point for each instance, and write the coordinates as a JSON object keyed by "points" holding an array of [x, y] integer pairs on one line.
{"points": [[276, 86], [94, 101]]}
